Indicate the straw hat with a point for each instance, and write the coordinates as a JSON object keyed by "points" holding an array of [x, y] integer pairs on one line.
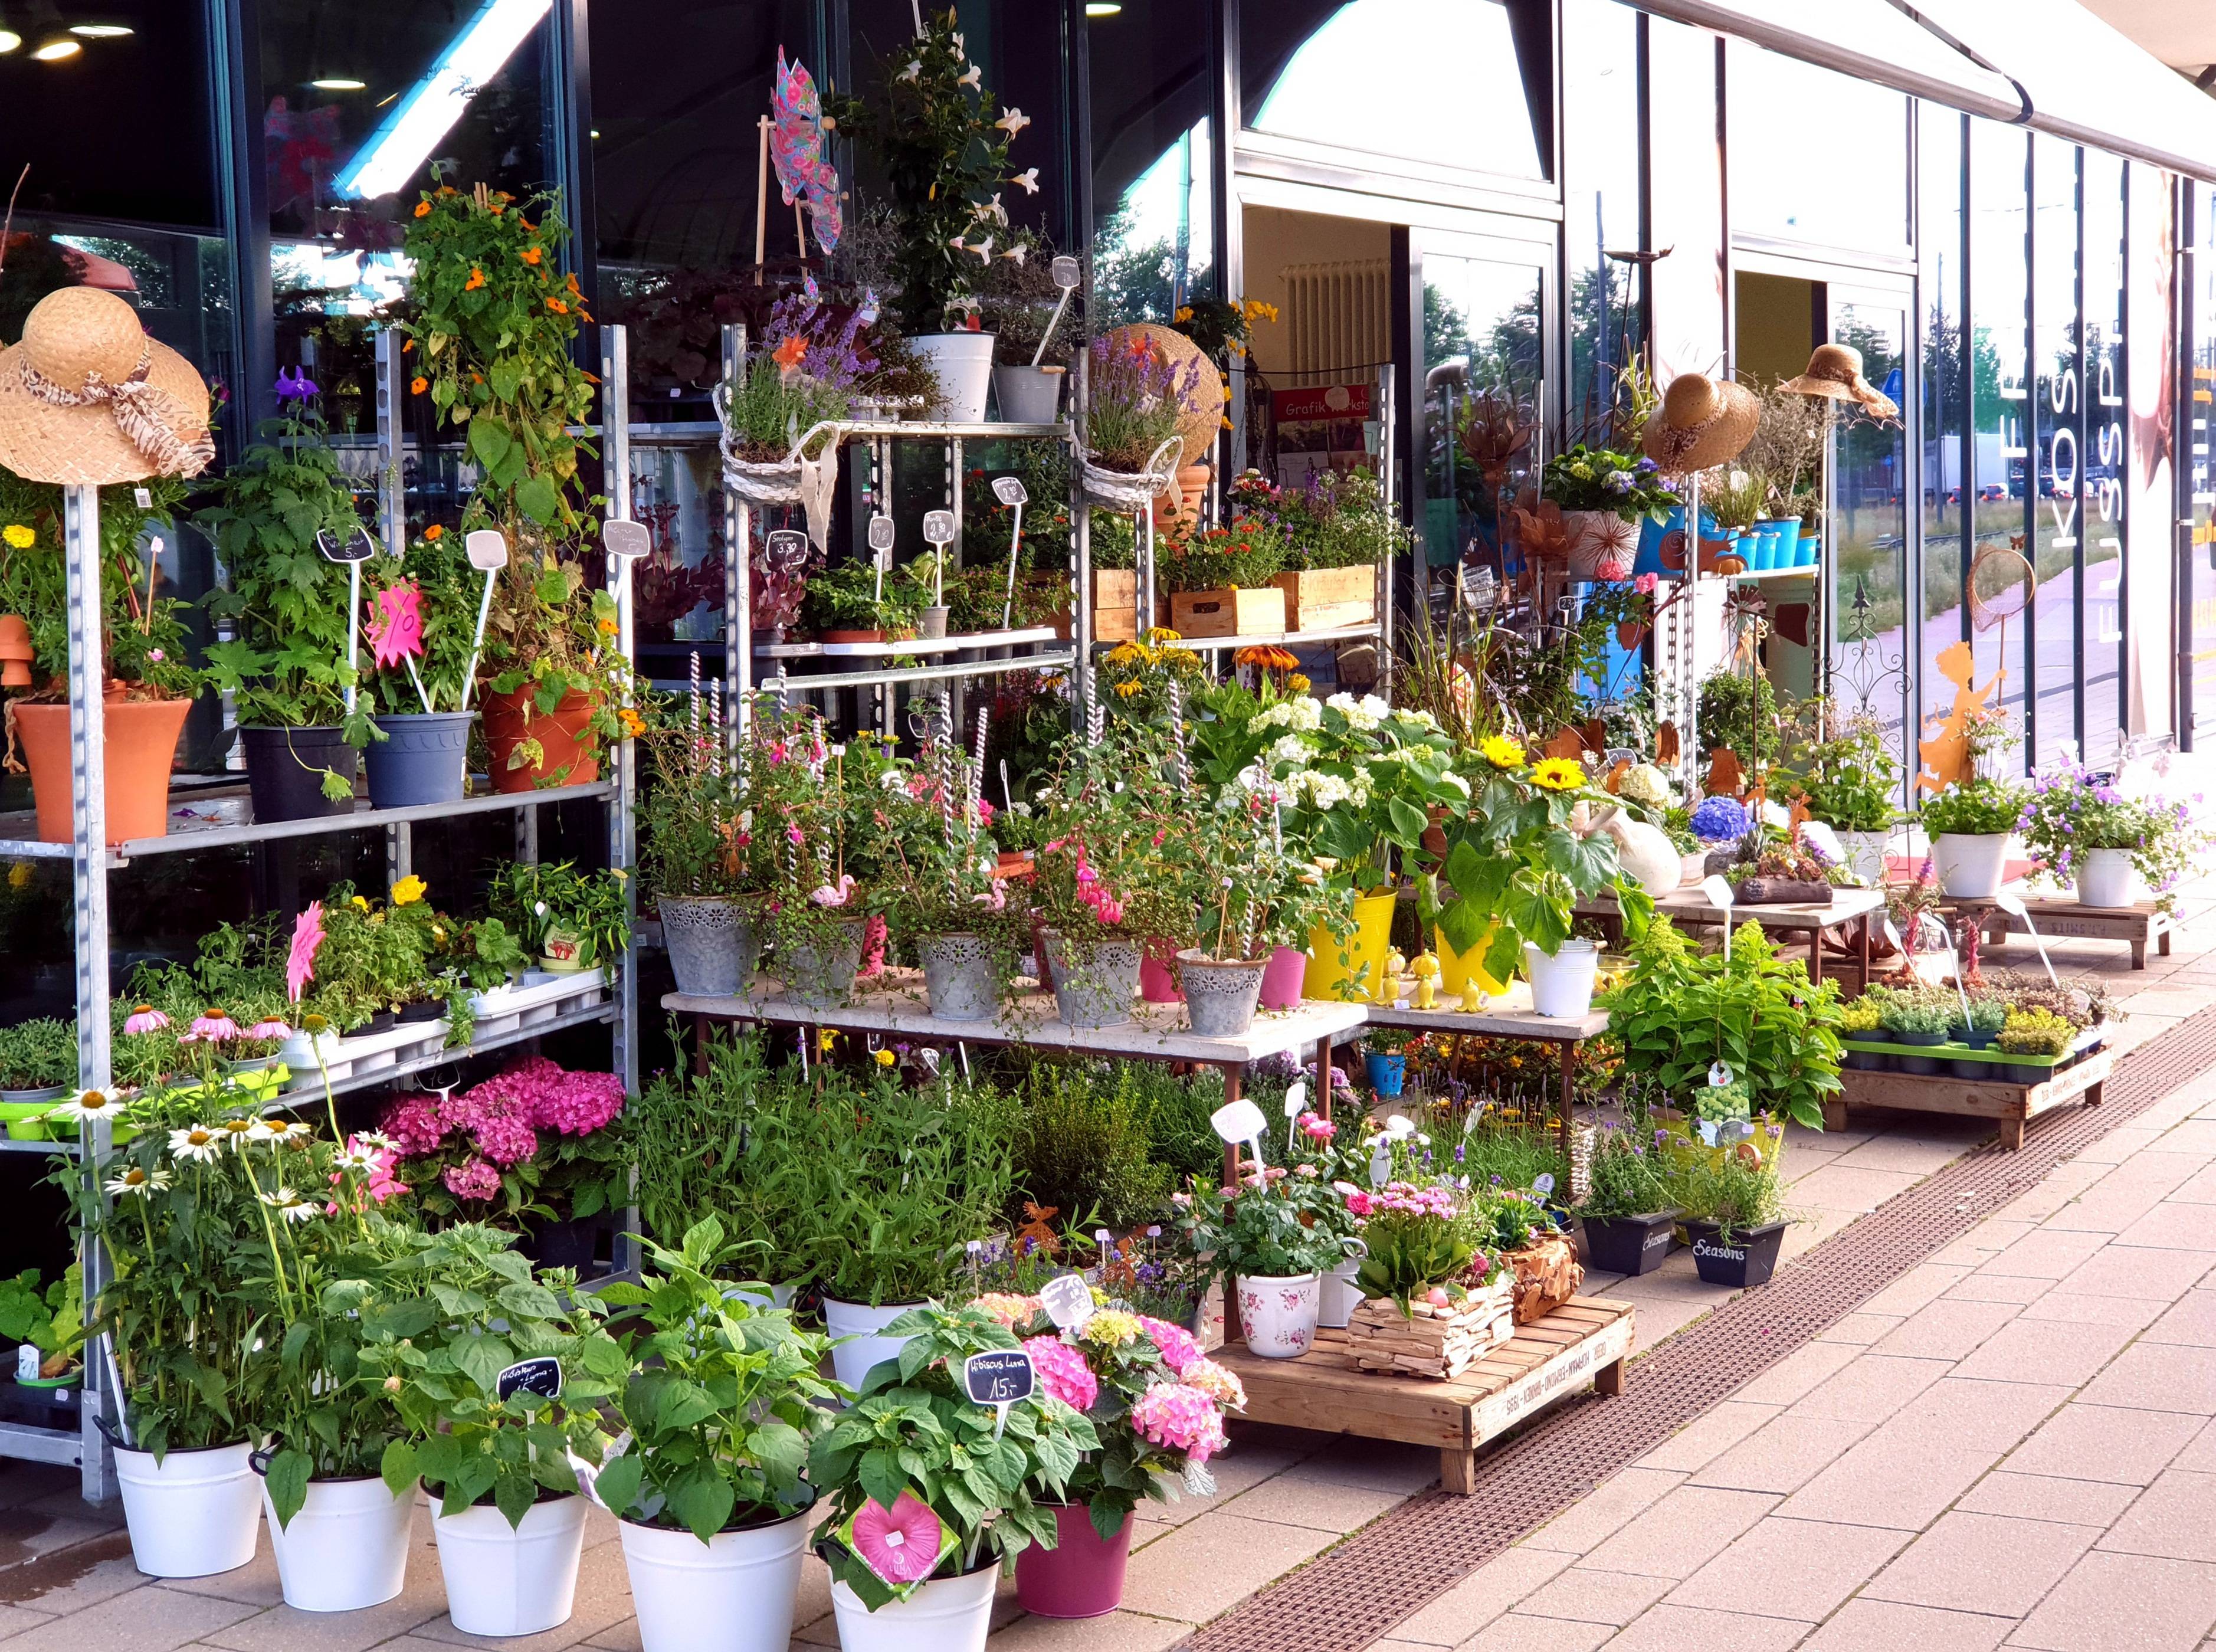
{"points": [[1835, 370], [87, 397], [1701, 423]]}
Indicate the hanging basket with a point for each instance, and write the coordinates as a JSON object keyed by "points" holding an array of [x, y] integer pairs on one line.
{"points": [[1126, 490]]}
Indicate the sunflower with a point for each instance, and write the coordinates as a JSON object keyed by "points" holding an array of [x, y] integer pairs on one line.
{"points": [[1558, 774], [1501, 751]]}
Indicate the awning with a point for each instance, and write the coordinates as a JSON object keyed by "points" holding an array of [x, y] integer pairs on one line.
{"points": [[2050, 65]]}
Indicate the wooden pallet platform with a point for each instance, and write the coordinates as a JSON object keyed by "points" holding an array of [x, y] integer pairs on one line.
{"points": [[2135, 926], [1585, 1340], [2014, 1106]]}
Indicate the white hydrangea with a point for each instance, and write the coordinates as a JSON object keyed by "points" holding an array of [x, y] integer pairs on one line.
{"points": [[1648, 784], [1303, 715], [1279, 716], [1415, 718], [1289, 748], [1359, 793], [1456, 781], [1364, 714], [1324, 790]]}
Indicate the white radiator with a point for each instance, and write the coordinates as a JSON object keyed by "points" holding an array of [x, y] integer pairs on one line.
{"points": [[1338, 318]]}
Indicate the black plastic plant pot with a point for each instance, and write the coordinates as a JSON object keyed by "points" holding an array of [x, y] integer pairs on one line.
{"points": [[2016, 1072], [1749, 1257], [1922, 1066], [1972, 1038], [1867, 1061], [285, 772], [423, 1010], [1629, 1244]]}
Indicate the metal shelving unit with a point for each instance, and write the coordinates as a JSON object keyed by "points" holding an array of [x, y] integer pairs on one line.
{"points": [[229, 824]]}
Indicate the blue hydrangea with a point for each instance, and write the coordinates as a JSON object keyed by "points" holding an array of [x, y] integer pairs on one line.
{"points": [[1721, 820]]}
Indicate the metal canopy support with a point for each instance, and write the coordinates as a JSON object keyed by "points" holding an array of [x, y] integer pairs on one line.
{"points": [[391, 479], [738, 574], [615, 460]]}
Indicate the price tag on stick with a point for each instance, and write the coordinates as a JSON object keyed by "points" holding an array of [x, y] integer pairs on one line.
{"points": [[541, 1375], [999, 1377], [1068, 1300]]}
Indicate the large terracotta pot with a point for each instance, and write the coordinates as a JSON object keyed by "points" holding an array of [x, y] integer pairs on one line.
{"points": [[511, 719], [142, 738]]}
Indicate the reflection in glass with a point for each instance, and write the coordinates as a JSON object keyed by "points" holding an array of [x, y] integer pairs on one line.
{"points": [[2200, 236], [1601, 311], [1483, 362], [2058, 425], [1947, 484], [2000, 386], [1468, 79], [1869, 527], [2101, 605], [1839, 179], [1153, 217]]}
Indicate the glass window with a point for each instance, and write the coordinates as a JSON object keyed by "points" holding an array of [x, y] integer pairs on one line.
{"points": [[1602, 310], [2103, 604], [1839, 179], [1869, 522], [2201, 468], [1153, 206], [2000, 387], [1453, 82], [2058, 425], [1482, 350], [1947, 489]]}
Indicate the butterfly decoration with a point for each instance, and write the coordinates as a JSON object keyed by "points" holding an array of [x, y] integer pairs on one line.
{"points": [[796, 148], [396, 634]]}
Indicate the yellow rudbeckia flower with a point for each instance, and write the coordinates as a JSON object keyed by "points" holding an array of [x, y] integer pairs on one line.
{"points": [[408, 890]]}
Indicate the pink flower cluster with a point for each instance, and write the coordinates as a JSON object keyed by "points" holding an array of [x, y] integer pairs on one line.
{"points": [[1219, 1384], [1173, 1342], [377, 1181], [1090, 890], [1179, 1417], [1358, 1201], [1010, 1311], [1411, 1200], [503, 1116], [1062, 1372], [1316, 1127], [472, 1178]]}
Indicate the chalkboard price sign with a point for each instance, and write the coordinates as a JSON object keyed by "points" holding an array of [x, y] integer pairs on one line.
{"points": [[999, 1376], [542, 1377]]}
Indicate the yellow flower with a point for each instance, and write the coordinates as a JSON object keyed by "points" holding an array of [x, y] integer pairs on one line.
{"points": [[19, 875], [361, 903], [1558, 774], [408, 890], [825, 1042], [19, 537], [1298, 683], [1122, 654], [886, 1059], [1127, 689], [1501, 751]]}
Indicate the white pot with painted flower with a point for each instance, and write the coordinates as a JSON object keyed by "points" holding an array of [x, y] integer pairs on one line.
{"points": [[1279, 1313]]}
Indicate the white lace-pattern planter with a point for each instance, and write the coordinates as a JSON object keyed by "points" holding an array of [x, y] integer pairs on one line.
{"points": [[1219, 994], [958, 981]]}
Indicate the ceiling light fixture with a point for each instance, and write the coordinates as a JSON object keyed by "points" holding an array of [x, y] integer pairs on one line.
{"points": [[339, 83], [101, 31], [60, 47], [9, 41], [423, 118], [1102, 8]]}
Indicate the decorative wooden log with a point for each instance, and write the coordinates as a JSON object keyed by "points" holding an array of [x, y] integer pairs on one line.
{"points": [[1780, 891], [1548, 1274]]}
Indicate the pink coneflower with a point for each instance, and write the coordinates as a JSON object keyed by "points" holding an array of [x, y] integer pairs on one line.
{"points": [[146, 1019], [307, 936], [210, 1027], [272, 1028]]}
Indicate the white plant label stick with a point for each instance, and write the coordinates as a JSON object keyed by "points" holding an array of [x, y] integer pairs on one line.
{"points": [[487, 550]]}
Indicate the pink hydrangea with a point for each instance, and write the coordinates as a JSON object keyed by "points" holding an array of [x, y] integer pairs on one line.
{"points": [[414, 1124], [504, 1137], [1173, 1342], [1062, 1372], [1219, 1384], [472, 1178], [1179, 1418]]}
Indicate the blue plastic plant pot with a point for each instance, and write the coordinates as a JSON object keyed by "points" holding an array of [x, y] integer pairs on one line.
{"points": [[423, 759], [1386, 1073], [1805, 553]]}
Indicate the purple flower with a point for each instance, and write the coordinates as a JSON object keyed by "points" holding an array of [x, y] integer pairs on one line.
{"points": [[294, 385], [1721, 820]]}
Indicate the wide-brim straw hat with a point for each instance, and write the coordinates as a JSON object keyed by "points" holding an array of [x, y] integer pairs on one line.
{"points": [[1835, 370], [1701, 423], [88, 398]]}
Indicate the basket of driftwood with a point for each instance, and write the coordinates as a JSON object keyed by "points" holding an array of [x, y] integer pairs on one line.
{"points": [[1548, 1274], [1429, 1340]]}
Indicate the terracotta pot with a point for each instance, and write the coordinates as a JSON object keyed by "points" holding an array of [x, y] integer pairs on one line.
{"points": [[850, 636], [142, 745], [1192, 488], [511, 719]]}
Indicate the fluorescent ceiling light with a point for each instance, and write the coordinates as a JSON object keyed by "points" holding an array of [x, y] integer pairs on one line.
{"points": [[10, 40], [1103, 8], [338, 83], [100, 31], [57, 48], [423, 118]]}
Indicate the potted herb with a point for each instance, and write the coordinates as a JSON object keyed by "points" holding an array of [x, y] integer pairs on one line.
{"points": [[1970, 824], [1272, 1234], [1627, 1216], [2116, 848], [944, 154], [1735, 1208], [1918, 1016], [1851, 782], [849, 603], [1858, 1019], [2036, 1031], [695, 851], [284, 664], [38, 1067], [932, 1492], [570, 920], [1603, 495], [709, 1490], [1136, 404]]}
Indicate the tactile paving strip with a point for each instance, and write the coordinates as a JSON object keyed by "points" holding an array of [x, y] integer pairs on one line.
{"points": [[1359, 1591]]}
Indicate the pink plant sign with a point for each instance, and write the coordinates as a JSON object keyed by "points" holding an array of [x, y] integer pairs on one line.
{"points": [[307, 936], [396, 634], [902, 1544]]}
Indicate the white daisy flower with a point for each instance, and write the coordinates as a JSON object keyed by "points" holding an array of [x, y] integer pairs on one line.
{"points": [[289, 1204], [199, 1143], [134, 1181], [86, 1105]]}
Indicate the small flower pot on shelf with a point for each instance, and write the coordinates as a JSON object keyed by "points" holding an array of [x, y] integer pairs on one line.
{"points": [[1221, 993], [819, 971], [712, 946], [1970, 865], [1340, 1296], [958, 978], [1082, 1575], [1280, 982], [1387, 1073], [1748, 1257], [285, 769], [2107, 878], [423, 758], [1922, 1066], [1094, 981], [141, 744], [1279, 1314], [568, 753], [1629, 1245]]}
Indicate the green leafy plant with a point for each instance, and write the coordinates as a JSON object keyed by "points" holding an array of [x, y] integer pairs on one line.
{"points": [[914, 1432], [1852, 781], [1597, 479], [1741, 712], [1415, 1238], [724, 1397], [50, 1319], [2037, 1031], [847, 598], [1858, 1017], [1085, 1150], [1976, 808], [38, 1054], [539, 903], [1273, 1225], [2072, 813], [1735, 1187], [1920, 1010]]}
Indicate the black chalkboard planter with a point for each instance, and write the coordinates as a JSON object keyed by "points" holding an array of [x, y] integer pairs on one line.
{"points": [[1629, 1244], [1750, 1257]]}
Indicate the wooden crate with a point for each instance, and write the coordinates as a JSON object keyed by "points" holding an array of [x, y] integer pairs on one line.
{"points": [[1428, 1341], [2013, 1106], [1116, 606], [1585, 1339], [1258, 611], [2135, 926], [1322, 598]]}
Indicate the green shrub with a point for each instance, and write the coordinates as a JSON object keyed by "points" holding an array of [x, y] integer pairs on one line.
{"points": [[1085, 1150]]}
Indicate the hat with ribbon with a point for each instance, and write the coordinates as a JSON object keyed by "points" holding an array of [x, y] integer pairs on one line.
{"points": [[88, 398], [1835, 370], [1701, 423]]}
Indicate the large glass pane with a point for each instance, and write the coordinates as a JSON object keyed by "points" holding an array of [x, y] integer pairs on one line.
{"points": [[2201, 466], [1469, 80], [1482, 354], [1153, 240], [1869, 526], [1950, 357], [2100, 622], [2058, 410], [1602, 309], [1840, 179], [2000, 384]]}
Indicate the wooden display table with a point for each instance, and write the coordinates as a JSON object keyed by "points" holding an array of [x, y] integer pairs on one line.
{"points": [[2135, 926], [1510, 1016], [2014, 1106], [1851, 915], [1586, 1339]]}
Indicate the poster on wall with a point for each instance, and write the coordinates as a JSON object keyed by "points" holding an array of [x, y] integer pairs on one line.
{"points": [[1320, 427]]}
